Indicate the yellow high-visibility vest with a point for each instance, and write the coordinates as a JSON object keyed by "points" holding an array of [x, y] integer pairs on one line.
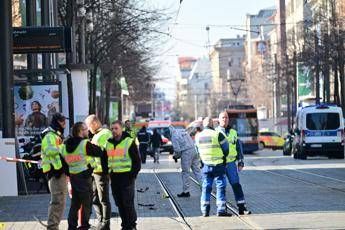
{"points": [[209, 147], [119, 160], [51, 152]]}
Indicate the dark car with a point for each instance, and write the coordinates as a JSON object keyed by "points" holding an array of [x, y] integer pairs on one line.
{"points": [[287, 147], [166, 138]]}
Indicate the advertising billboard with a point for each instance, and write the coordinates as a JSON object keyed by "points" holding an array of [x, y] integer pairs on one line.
{"points": [[304, 82], [34, 106]]}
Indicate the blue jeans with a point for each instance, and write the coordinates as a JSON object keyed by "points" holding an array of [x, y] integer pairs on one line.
{"points": [[234, 180], [209, 174]]}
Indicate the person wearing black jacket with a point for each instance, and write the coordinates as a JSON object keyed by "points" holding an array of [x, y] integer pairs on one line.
{"points": [[144, 141], [124, 165], [76, 151], [156, 144]]}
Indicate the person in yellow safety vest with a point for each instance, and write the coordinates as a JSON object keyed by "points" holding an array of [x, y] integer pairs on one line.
{"points": [[235, 154], [77, 152], [101, 201], [55, 168], [213, 149], [130, 130], [124, 165]]}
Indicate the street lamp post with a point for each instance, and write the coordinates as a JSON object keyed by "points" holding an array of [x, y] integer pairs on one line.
{"points": [[6, 69], [152, 100]]}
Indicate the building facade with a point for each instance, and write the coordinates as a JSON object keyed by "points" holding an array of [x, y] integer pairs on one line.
{"points": [[228, 82], [199, 88], [258, 69], [186, 65]]}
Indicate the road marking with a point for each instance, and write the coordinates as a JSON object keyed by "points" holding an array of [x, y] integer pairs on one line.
{"points": [[318, 175]]}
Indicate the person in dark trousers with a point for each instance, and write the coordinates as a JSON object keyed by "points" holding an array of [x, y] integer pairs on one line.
{"points": [[235, 155], [156, 142], [124, 165], [77, 151], [144, 141], [213, 148], [100, 200]]}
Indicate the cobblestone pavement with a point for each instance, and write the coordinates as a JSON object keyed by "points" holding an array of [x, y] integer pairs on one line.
{"points": [[282, 192]]}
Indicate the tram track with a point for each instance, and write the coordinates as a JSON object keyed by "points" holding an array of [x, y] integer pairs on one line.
{"points": [[233, 210], [176, 206]]}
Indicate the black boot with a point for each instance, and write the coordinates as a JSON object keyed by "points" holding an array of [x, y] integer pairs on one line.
{"points": [[184, 194], [242, 210], [224, 214]]}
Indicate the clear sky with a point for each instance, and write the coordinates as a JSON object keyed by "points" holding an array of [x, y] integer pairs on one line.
{"points": [[189, 35]]}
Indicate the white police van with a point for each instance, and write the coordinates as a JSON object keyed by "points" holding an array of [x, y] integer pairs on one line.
{"points": [[319, 130]]}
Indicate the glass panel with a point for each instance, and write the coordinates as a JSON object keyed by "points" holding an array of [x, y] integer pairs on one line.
{"points": [[246, 126], [323, 121]]}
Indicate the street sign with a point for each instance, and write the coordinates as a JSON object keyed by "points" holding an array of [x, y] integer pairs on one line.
{"points": [[41, 40]]}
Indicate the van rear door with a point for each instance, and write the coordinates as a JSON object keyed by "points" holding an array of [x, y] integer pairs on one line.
{"points": [[323, 127]]}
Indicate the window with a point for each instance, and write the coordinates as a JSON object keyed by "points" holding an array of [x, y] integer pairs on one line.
{"points": [[323, 121]]}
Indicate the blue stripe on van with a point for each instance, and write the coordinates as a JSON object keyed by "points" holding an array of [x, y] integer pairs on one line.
{"points": [[320, 133]]}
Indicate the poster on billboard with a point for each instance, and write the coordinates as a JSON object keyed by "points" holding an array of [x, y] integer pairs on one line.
{"points": [[34, 106], [304, 82], [113, 111]]}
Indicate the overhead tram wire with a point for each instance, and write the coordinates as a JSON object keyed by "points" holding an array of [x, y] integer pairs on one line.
{"points": [[244, 25], [177, 39], [176, 17]]}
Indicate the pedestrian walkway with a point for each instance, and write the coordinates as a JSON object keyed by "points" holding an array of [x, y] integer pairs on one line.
{"points": [[271, 197], [154, 211]]}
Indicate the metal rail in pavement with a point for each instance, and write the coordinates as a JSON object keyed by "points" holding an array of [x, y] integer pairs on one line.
{"points": [[177, 208], [234, 211]]}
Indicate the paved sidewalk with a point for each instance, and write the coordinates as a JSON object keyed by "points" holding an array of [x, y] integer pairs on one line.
{"points": [[280, 198], [18, 212]]}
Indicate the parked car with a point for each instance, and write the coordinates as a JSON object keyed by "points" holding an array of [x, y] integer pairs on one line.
{"points": [[287, 148], [270, 140], [163, 129], [319, 131]]}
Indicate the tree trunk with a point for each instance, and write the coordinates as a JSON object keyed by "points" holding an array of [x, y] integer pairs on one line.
{"points": [[100, 105], [341, 69], [107, 99], [336, 83], [93, 84]]}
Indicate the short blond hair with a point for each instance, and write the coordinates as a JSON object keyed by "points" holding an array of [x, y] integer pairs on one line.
{"points": [[92, 118]]}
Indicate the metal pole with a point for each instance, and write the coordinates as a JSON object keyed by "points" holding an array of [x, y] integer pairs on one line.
{"points": [[196, 107], [317, 72], [277, 95], [294, 108], [82, 41], [288, 92], [6, 69], [31, 21], [45, 22]]}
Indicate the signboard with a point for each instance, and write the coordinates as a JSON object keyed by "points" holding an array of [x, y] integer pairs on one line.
{"points": [[34, 106], [113, 111], [41, 39], [261, 47], [304, 81]]}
